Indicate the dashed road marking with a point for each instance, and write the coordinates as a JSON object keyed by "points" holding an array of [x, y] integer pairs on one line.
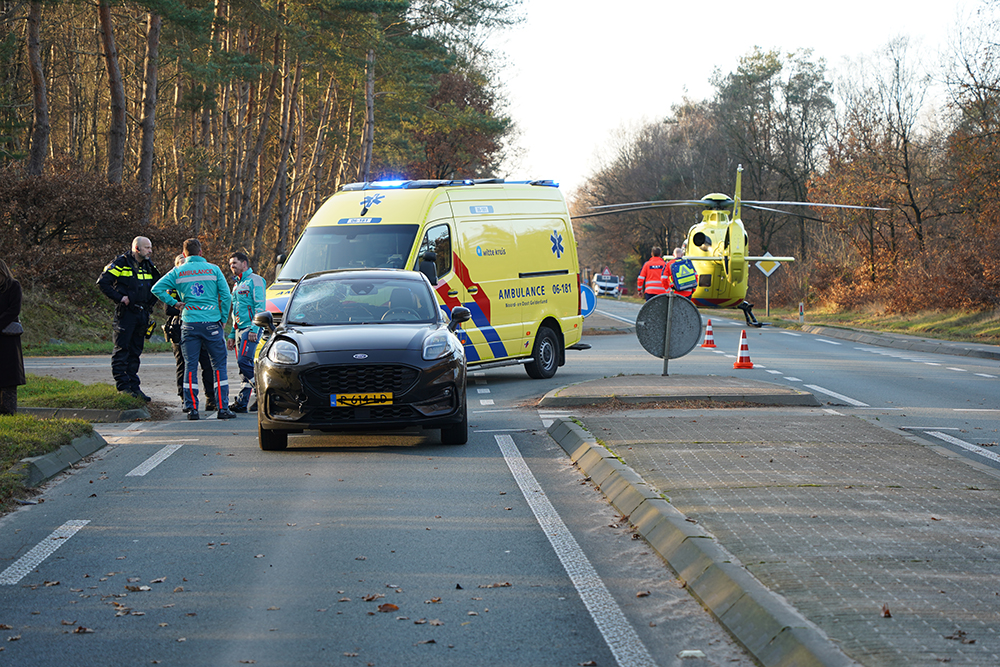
{"points": [[29, 561], [153, 461], [845, 399], [975, 449]]}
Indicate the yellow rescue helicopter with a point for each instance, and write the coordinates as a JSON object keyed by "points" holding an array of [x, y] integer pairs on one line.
{"points": [[718, 244]]}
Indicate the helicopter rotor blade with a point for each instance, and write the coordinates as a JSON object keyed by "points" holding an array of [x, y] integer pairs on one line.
{"points": [[661, 202], [778, 210], [806, 203], [625, 210]]}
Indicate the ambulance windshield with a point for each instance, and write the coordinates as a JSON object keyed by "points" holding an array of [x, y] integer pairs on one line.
{"points": [[349, 247]]}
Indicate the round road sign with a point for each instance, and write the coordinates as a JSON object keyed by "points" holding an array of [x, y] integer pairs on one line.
{"points": [[685, 326], [588, 300]]}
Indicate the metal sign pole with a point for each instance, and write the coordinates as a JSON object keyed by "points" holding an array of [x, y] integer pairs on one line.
{"points": [[666, 334], [767, 295]]}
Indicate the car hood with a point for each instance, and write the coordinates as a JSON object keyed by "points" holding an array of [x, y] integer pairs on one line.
{"points": [[359, 337]]}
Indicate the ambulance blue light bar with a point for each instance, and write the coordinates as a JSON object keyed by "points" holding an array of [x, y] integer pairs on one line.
{"points": [[435, 183]]}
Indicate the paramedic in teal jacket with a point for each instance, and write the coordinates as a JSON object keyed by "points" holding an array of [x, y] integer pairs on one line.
{"points": [[204, 304], [249, 298]]}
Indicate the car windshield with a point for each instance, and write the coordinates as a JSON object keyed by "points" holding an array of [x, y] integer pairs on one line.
{"points": [[349, 247], [352, 300]]}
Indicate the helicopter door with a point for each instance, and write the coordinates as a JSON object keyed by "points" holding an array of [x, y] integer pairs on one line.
{"points": [[734, 252]]}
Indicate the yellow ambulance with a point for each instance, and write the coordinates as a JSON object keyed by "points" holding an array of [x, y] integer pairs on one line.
{"points": [[504, 250]]}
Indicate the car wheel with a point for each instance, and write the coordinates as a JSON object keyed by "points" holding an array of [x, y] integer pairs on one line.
{"points": [[271, 441], [546, 355], [456, 434]]}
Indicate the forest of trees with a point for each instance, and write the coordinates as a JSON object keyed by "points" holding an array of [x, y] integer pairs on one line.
{"points": [[897, 130], [232, 120]]}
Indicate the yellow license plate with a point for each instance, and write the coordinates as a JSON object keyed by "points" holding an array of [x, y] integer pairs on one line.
{"points": [[355, 400]]}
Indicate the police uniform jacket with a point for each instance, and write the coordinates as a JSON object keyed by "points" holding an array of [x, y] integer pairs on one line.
{"points": [[124, 277]]}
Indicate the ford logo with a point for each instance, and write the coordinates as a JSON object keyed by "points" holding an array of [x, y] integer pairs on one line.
{"points": [[360, 356]]}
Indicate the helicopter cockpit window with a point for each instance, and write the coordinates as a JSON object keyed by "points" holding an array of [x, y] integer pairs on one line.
{"points": [[701, 239]]}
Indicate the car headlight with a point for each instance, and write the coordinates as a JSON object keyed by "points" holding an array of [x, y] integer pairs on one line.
{"points": [[439, 344], [283, 352]]}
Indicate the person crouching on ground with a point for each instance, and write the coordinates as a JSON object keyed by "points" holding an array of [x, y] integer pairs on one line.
{"points": [[204, 304], [249, 298], [172, 332]]}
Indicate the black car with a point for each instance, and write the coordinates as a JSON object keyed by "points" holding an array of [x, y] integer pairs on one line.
{"points": [[361, 350]]}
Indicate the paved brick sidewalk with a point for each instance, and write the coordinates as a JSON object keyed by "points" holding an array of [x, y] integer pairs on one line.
{"points": [[839, 516]]}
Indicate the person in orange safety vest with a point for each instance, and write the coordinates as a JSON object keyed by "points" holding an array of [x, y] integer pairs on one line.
{"points": [[650, 282]]}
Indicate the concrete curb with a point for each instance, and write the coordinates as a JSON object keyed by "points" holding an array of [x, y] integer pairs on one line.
{"points": [[87, 414], [794, 397], [38, 469], [773, 631]]}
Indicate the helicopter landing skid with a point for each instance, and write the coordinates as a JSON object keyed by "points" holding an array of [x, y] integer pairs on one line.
{"points": [[747, 309]]}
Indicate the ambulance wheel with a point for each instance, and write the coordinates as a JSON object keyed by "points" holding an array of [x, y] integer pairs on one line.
{"points": [[271, 441], [545, 355]]}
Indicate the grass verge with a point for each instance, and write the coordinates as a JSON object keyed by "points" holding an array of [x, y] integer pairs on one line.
{"points": [[42, 391], [23, 436]]}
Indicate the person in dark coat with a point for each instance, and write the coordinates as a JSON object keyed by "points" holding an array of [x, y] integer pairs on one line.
{"points": [[11, 360], [127, 281]]}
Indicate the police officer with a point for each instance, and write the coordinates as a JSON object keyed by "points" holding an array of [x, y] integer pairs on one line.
{"points": [[127, 282], [204, 304], [248, 300]]}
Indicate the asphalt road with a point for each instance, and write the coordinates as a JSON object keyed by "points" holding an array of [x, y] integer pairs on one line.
{"points": [[184, 543]]}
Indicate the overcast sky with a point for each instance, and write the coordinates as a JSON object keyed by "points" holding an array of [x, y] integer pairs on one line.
{"points": [[577, 71]]}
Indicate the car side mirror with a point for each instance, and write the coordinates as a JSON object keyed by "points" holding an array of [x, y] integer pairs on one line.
{"points": [[459, 314], [264, 320]]}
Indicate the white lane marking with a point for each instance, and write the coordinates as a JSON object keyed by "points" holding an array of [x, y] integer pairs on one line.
{"points": [[789, 333], [482, 390], [931, 363], [479, 374], [616, 317], [549, 416], [40, 552], [975, 410], [975, 449], [832, 412], [791, 379], [126, 439], [153, 461], [960, 370], [845, 399], [762, 366], [486, 401], [775, 372], [828, 342], [985, 375], [625, 645]]}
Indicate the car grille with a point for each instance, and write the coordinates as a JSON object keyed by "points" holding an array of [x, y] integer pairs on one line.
{"points": [[366, 414], [360, 379]]}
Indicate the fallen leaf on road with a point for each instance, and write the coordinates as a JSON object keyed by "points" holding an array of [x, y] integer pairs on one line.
{"points": [[642, 594], [274, 608], [437, 622], [505, 584], [159, 580], [372, 597], [433, 601], [387, 607], [69, 622], [80, 630], [51, 583], [426, 641], [885, 611], [137, 589]]}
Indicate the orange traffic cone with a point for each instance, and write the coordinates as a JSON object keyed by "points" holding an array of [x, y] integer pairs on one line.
{"points": [[743, 360], [709, 338]]}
